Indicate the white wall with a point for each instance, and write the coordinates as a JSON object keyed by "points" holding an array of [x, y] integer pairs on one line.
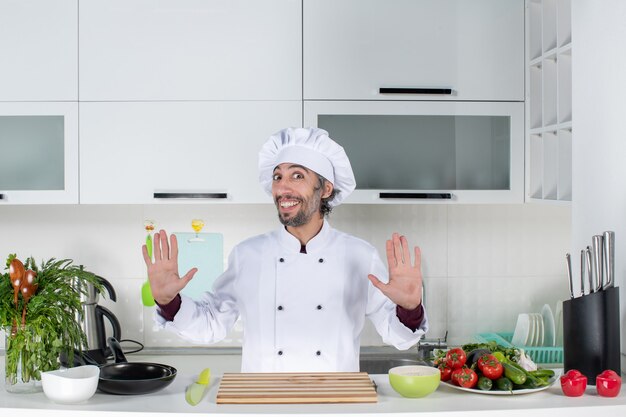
{"points": [[599, 130], [482, 264]]}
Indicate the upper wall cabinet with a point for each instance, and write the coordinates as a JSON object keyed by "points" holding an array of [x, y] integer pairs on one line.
{"points": [[190, 50], [38, 50], [160, 152], [415, 49], [549, 102], [39, 153]]}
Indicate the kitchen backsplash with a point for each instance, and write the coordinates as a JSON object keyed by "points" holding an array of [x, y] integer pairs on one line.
{"points": [[482, 264]]}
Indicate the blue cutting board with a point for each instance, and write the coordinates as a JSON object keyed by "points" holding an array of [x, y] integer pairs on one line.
{"points": [[206, 254]]}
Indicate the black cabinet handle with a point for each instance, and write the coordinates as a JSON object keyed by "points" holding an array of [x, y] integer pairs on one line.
{"points": [[1, 196], [191, 195], [437, 91], [441, 196]]}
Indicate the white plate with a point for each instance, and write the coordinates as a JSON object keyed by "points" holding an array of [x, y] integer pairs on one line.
{"points": [[522, 329], [533, 330], [558, 318], [514, 392], [549, 326], [540, 330]]}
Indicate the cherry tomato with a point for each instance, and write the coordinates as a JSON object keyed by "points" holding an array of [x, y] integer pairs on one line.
{"points": [[446, 372], [454, 377], [573, 383], [490, 366], [456, 358], [467, 378], [608, 383]]}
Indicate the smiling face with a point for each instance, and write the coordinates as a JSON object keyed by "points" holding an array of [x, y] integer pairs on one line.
{"points": [[297, 194]]}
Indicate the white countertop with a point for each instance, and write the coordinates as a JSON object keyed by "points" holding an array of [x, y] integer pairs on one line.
{"points": [[445, 401]]}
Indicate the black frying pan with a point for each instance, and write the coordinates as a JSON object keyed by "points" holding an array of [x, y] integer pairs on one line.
{"points": [[130, 378]]}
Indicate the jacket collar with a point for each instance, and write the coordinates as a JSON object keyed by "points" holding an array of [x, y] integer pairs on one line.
{"points": [[317, 243]]}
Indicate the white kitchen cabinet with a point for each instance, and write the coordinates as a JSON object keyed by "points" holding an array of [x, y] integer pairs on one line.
{"points": [[155, 152], [405, 152], [353, 48], [39, 50], [549, 101], [190, 50], [38, 153]]}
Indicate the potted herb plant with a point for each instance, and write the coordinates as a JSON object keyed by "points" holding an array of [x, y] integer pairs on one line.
{"points": [[40, 309]]}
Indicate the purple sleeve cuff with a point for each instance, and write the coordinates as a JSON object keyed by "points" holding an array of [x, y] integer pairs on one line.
{"points": [[411, 318], [169, 310]]}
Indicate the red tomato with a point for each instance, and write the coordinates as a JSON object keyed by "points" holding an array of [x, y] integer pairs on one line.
{"points": [[456, 358], [454, 377], [608, 383], [446, 372], [490, 366], [573, 383], [467, 378]]}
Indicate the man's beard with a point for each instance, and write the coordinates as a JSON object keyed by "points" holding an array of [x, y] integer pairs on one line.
{"points": [[308, 208]]}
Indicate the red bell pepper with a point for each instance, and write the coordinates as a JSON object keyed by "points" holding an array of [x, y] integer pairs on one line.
{"points": [[573, 383], [608, 383]]}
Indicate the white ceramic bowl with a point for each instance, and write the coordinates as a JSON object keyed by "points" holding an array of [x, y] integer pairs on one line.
{"points": [[69, 386]]}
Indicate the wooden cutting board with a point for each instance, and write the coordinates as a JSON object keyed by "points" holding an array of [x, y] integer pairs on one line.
{"points": [[296, 388]]}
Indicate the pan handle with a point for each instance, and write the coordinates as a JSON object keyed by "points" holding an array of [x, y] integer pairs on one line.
{"points": [[116, 350]]}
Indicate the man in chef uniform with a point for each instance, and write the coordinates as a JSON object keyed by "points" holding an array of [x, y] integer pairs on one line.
{"points": [[303, 291]]}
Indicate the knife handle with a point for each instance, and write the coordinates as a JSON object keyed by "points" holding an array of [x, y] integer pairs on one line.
{"points": [[583, 267], [589, 269], [609, 256], [598, 249], [568, 266]]}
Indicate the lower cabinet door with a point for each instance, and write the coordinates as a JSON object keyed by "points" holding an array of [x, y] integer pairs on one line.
{"points": [[165, 152]]}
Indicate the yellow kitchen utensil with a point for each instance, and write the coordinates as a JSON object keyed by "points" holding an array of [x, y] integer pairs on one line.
{"points": [[197, 225], [195, 392]]}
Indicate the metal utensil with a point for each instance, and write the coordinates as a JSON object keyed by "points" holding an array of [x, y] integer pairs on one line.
{"points": [[598, 249], [568, 265], [583, 267], [589, 269], [609, 255]]}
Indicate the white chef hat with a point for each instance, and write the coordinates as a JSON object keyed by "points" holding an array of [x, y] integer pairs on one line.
{"points": [[313, 149]]}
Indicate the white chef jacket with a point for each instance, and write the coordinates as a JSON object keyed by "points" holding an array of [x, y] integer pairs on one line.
{"points": [[301, 312]]}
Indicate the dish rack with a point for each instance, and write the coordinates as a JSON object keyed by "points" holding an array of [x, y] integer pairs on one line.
{"points": [[539, 354]]}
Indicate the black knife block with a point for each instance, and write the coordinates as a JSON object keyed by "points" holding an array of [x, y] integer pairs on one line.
{"points": [[591, 333]]}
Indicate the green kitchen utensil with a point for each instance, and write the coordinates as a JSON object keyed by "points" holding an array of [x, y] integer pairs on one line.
{"points": [[195, 392], [146, 292]]}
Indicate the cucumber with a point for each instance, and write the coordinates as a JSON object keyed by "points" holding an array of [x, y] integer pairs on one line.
{"points": [[542, 373], [532, 380], [484, 383], [517, 376], [504, 384]]}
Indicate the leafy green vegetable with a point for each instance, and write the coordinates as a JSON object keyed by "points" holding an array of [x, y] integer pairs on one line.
{"points": [[510, 353], [52, 318]]}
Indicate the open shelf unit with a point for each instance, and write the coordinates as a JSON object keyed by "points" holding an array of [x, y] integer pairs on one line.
{"points": [[549, 101]]}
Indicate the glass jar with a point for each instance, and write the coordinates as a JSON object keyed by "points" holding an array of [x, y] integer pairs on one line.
{"points": [[22, 374]]}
